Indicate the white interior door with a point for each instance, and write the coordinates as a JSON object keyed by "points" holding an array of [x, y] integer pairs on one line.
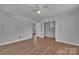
{"points": [[38, 29]]}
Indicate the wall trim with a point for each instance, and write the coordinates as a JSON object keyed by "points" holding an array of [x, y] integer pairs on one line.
{"points": [[68, 42], [49, 37], [16, 41], [16, 16]]}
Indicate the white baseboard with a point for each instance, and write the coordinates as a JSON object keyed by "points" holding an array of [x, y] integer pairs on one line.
{"points": [[42, 36], [16, 41], [68, 42], [49, 36]]}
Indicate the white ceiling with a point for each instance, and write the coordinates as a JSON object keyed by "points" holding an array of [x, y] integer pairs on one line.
{"points": [[26, 10]]}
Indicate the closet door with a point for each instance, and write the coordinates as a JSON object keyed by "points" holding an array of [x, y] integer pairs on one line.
{"points": [[52, 29], [47, 29]]}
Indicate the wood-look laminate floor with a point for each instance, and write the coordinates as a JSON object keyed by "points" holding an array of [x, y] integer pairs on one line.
{"points": [[46, 46]]}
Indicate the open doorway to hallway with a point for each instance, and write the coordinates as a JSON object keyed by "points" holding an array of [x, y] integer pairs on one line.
{"points": [[49, 29], [36, 34]]}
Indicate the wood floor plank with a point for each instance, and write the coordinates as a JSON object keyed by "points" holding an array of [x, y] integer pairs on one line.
{"points": [[44, 46]]}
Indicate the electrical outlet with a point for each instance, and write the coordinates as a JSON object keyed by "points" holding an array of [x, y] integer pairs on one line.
{"points": [[19, 37]]}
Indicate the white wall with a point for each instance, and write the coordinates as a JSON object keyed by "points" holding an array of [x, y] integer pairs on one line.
{"points": [[1, 31], [67, 27], [13, 28]]}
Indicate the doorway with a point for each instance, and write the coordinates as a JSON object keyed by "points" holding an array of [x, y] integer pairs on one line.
{"points": [[36, 34], [49, 29]]}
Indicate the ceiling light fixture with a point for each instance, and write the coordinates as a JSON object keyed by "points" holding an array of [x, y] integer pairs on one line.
{"points": [[38, 9], [39, 12]]}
